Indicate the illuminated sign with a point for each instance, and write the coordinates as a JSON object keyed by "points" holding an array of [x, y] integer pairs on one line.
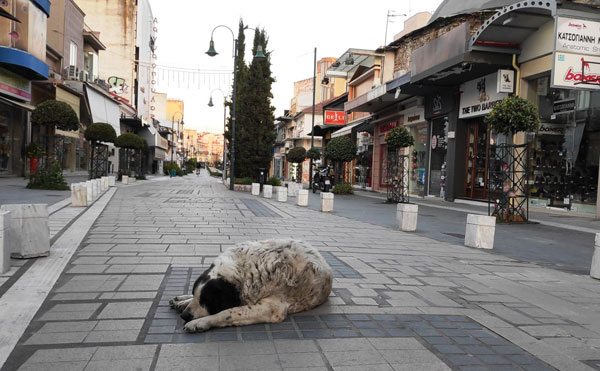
{"points": [[335, 117]]}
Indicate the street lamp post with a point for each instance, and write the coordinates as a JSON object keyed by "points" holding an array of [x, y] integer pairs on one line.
{"points": [[212, 52], [210, 104]]}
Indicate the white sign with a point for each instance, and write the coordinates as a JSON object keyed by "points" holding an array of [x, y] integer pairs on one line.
{"points": [[479, 96], [576, 71], [578, 36], [413, 115], [506, 81]]}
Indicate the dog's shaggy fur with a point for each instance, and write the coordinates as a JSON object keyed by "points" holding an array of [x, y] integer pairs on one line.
{"points": [[256, 282]]}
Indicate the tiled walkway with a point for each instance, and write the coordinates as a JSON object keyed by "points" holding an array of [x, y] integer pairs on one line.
{"points": [[399, 301]]}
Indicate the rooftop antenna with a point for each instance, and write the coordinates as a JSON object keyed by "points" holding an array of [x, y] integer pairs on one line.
{"points": [[390, 14]]}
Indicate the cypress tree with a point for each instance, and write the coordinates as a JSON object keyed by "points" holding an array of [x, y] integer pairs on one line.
{"points": [[255, 134]]}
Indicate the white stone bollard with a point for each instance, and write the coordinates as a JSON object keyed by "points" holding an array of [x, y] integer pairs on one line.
{"points": [[406, 216], [78, 194], [111, 181], [95, 189], [125, 179], [101, 185], [302, 199], [255, 189], [267, 191], [132, 179], [89, 187], [281, 194], [327, 202], [293, 189], [480, 231], [104, 182], [4, 242], [29, 233], [595, 269]]}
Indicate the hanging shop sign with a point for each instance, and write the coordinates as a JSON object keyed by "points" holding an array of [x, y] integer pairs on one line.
{"points": [[438, 104], [576, 71], [479, 96], [387, 127], [564, 106], [577, 36], [14, 85], [506, 81], [335, 117]]}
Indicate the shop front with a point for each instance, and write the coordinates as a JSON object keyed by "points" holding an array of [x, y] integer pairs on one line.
{"points": [[414, 121], [438, 108], [15, 92], [381, 128]]}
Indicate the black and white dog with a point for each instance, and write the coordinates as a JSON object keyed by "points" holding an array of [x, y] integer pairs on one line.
{"points": [[256, 282]]}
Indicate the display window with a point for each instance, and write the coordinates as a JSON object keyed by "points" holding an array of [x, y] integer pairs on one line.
{"points": [[11, 139], [437, 158], [418, 159], [566, 148]]}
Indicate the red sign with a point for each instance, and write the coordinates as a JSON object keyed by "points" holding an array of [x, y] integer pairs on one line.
{"points": [[335, 117], [387, 127]]}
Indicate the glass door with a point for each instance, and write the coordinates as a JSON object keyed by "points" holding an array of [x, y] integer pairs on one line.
{"points": [[476, 160], [437, 156]]}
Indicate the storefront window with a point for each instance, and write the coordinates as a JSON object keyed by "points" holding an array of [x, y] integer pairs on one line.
{"points": [[417, 158], [362, 171], [11, 139], [566, 148], [437, 162]]}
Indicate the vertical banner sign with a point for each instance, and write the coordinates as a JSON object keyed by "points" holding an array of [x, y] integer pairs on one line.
{"points": [[153, 37]]}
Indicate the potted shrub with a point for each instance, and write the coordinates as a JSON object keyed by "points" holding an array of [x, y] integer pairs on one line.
{"points": [[340, 150], [132, 144], [512, 115], [397, 138], [297, 155], [54, 114], [97, 134]]}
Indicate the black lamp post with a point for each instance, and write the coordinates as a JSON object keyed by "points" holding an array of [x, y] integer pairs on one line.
{"points": [[212, 52]]}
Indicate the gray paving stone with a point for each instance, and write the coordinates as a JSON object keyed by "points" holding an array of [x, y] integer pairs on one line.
{"points": [[62, 355], [249, 362], [289, 360], [135, 309], [187, 363], [295, 346], [112, 336], [56, 338], [120, 365], [357, 357], [54, 366]]}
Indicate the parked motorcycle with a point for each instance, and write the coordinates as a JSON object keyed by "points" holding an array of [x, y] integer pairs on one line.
{"points": [[322, 179]]}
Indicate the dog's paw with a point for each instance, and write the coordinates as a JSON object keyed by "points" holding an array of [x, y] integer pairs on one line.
{"points": [[173, 302], [197, 325], [180, 306]]}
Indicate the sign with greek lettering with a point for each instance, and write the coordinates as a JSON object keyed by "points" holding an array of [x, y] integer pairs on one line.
{"points": [[576, 71], [479, 96], [577, 36]]}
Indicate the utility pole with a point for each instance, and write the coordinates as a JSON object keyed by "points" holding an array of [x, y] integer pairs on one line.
{"points": [[312, 132]]}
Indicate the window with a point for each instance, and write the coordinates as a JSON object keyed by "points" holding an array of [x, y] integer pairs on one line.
{"points": [[73, 54]]}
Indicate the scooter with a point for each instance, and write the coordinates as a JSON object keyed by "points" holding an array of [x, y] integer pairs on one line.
{"points": [[322, 179]]}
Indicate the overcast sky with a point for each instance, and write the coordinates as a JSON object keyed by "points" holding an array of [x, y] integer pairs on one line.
{"points": [[294, 30]]}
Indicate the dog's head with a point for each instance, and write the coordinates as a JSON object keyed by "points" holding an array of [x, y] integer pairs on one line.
{"points": [[212, 293]]}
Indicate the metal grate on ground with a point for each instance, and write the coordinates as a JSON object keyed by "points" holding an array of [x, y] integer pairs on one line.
{"points": [[457, 340]]}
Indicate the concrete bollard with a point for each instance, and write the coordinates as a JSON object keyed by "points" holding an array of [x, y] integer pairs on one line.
{"points": [[104, 182], [101, 185], [29, 233], [480, 231], [95, 189], [595, 268], [293, 189], [78, 194], [111, 181], [125, 179], [89, 188], [406, 216], [302, 197], [267, 191], [327, 202], [255, 189], [281, 194], [4, 242]]}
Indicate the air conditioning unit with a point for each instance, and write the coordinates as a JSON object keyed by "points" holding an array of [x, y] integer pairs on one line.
{"points": [[72, 73], [84, 76], [102, 83], [287, 145], [56, 76]]}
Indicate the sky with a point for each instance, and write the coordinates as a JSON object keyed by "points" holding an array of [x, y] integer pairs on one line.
{"points": [[294, 30]]}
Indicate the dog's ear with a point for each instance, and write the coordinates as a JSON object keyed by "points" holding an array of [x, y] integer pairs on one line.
{"points": [[219, 294]]}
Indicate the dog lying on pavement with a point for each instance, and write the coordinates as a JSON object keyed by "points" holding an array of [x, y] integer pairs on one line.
{"points": [[256, 282]]}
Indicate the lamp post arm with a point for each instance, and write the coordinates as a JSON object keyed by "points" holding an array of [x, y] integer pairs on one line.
{"points": [[232, 35]]}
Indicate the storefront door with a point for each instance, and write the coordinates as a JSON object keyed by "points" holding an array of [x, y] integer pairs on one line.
{"points": [[11, 139], [476, 160], [437, 157]]}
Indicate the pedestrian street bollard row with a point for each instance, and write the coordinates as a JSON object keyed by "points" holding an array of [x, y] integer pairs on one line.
{"points": [[302, 197], [89, 189], [406, 216], [281, 194], [79, 194], [255, 189], [111, 181], [29, 233], [267, 191], [595, 268], [105, 182], [480, 231], [327, 202], [125, 179], [293, 188], [4, 242]]}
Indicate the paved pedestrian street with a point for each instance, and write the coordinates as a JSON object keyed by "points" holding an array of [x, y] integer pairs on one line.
{"points": [[399, 301]]}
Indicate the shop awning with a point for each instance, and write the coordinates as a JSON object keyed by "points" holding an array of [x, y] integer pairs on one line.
{"points": [[322, 130], [25, 106], [510, 26], [103, 108], [346, 130]]}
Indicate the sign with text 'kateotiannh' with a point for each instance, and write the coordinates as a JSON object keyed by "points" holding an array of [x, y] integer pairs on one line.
{"points": [[577, 36]]}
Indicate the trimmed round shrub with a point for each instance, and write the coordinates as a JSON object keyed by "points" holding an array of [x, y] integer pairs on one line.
{"points": [[243, 181], [100, 132], [341, 149], [512, 115], [275, 182], [130, 141], [55, 113], [296, 155], [313, 154], [399, 137]]}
